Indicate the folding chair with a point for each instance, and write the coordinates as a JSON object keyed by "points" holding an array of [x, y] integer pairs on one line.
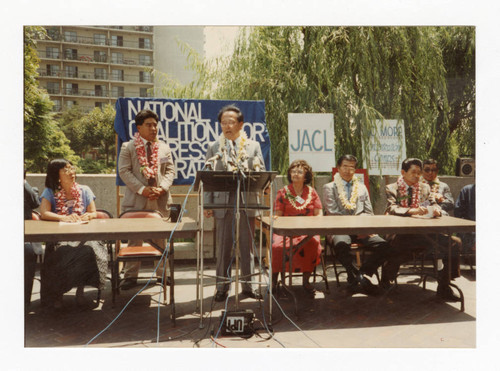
{"points": [[139, 253]]}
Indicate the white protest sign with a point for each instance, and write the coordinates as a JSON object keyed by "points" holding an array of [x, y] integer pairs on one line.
{"points": [[311, 138], [386, 147]]}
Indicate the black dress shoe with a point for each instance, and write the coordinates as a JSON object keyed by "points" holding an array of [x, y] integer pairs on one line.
{"points": [[128, 283], [446, 293], [252, 294], [220, 296], [366, 285]]}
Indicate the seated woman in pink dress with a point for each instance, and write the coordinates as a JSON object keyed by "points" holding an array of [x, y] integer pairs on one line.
{"points": [[297, 199]]}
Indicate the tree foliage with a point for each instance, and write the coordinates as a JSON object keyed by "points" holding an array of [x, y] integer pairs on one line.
{"points": [[358, 73], [43, 140]]}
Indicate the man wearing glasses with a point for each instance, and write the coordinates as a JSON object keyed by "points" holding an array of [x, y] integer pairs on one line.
{"points": [[440, 191], [346, 195], [233, 151]]}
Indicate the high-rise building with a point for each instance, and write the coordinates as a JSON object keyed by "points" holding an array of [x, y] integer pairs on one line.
{"points": [[94, 65]]}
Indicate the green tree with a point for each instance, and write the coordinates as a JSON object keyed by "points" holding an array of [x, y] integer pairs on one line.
{"points": [[359, 73], [69, 123], [98, 131], [43, 140]]}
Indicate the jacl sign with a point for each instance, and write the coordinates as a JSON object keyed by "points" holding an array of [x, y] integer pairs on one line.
{"points": [[311, 138]]}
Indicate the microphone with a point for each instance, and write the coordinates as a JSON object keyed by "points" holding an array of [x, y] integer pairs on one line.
{"points": [[211, 161]]}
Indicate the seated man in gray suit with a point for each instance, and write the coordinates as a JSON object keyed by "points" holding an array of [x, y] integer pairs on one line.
{"points": [[440, 191], [346, 195], [233, 152], [146, 167]]}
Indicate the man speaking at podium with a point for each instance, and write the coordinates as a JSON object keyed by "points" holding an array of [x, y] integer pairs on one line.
{"points": [[233, 151]]}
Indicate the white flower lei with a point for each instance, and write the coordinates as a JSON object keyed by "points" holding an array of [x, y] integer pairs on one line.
{"points": [[241, 156], [351, 203], [434, 184], [291, 198]]}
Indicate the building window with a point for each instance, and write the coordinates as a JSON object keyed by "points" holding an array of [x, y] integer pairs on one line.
{"points": [[116, 40], [52, 70], [99, 39], [99, 105], [57, 105], [53, 87], [71, 54], [71, 71], [117, 58], [143, 92], [144, 43], [118, 91], [52, 52], [100, 90], [144, 76], [71, 89], [100, 73], [70, 103], [100, 56], [144, 60], [70, 36], [117, 75]]}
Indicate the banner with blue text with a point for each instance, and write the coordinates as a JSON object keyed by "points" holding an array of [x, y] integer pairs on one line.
{"points": [[188, 126]]}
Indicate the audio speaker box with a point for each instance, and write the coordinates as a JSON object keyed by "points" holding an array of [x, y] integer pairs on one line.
{"points": [[465, 167]]}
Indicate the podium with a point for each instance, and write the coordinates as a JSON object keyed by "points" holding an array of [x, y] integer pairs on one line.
{"points": [[242, 183]]}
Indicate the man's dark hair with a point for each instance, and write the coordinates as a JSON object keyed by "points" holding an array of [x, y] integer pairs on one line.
{"points": [[52, 178], [143, 115], [406, 165], [308, 176], [431, 161], [347, 158], [231, 107]]}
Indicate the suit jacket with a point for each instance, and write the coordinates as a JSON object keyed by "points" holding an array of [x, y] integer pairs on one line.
{"points": [[224, 198], [129, 169], [333, 204], [394, 199]]}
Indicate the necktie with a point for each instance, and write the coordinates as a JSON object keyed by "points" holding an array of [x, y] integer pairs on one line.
{"points": [[410, 196], [348, 190], [151, 181]]}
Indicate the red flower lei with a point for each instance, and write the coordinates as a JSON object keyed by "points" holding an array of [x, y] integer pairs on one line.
{"points": [[140, 149], [403, 191], [62, 201]]}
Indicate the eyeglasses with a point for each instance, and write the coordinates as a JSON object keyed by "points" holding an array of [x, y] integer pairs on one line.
{"points": [[297, 171], [429, 170], [69, 170], [228, 123]]}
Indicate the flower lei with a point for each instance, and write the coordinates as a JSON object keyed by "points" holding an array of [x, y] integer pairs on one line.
{"points": [[434, 185], [140, 149], [62, 201], [351, 203], [241, 156], [403, 191], [291, 198]]}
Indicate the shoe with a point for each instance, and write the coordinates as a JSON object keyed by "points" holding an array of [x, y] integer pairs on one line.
{"points": [[310, 291], [220, 296], [385, 285], [128, 283], [367, 286], [252, 294], [446, 293]]}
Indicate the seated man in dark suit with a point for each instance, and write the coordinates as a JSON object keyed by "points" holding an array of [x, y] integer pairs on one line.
{"points": [[465, 208], [408, 197]]}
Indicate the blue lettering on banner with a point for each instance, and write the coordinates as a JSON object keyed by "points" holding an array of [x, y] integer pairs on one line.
{"points": [[188, 126], [308, 143]]}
